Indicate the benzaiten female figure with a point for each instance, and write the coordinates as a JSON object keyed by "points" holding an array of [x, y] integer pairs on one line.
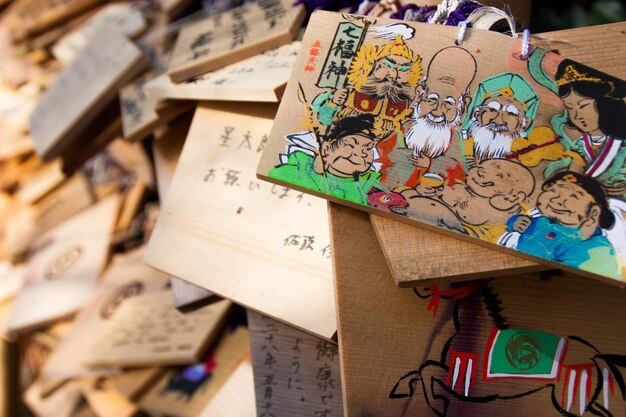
{"points": [[596, 110]]}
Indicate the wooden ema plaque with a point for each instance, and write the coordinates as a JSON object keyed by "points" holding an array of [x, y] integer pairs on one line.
{"points": [[42, 181], [233, 35], [142, 112], [94, 76], [236, 397], [166, 149], [454, 259], [127, 19], [235, 82], [147, 330], [15, 106], [104, 400], [548, 345], [64, 266], [295, 373], [133, 383], [62, 402], [31, 17], [25, 225], [125, 278], [186, 391], [417, 255], [11, 279], [444, 183], [216, 209]]}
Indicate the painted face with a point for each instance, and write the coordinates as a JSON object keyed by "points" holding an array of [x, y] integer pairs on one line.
{"points": [[438, 108], [393, 67], [582, 112], [492, 177], [354, 156], [565, 202], [501, 114]]}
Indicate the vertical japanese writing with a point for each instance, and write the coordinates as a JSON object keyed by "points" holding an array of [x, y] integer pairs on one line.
{"points": [[269, 350], [273, 11], [240, 28], [225, 138], [201, 44], [314, 53], [326, 384], [294, 381], [345, 44], [305, 374], [245, 142]]}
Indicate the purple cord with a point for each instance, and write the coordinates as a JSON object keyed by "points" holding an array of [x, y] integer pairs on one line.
{"points": [[330, 5], [402, 10], [422, 14], [461, 13]]}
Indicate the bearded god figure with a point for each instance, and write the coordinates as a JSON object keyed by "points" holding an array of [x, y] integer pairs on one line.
{"points": [[381, 82], [502, 110]]}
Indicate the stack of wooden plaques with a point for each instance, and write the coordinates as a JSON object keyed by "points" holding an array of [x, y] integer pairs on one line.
{"points": [[147, 268]]}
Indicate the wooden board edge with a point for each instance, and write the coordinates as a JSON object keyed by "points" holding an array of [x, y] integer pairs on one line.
{"points": [[551, 264]]}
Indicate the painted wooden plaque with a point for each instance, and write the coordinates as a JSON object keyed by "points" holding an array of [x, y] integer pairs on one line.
{"points": [[126, 277], [216, 210], [128, 20], [455, 259], [147, 330], [233, 35], [64, 266], [186, 391], [548, 345], [468, 140], [236, 82], [83, 90], [295, 373]]}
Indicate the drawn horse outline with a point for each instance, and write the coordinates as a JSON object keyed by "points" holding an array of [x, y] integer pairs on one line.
{"points": [[594, 389]]}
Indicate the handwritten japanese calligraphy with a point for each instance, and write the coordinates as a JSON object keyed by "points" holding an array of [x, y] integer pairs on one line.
{"points": [[300, 369]]}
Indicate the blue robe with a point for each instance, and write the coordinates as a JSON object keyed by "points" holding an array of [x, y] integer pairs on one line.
{"points": [[563, 244]]}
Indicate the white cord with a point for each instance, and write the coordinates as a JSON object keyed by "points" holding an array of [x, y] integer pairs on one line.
{"points": [[525, 44], [478, 13], [462, 29], [444, 9]]}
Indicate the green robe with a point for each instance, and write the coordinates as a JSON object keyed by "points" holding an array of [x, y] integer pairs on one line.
{"points": [[300, 170]]}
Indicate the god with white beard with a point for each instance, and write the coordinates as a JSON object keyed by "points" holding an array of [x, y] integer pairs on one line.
{"points": [[502, 110], [430, 135], [501, 124]]}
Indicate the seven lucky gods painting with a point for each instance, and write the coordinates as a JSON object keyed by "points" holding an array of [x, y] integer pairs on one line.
{"points": [[466, 137]]}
